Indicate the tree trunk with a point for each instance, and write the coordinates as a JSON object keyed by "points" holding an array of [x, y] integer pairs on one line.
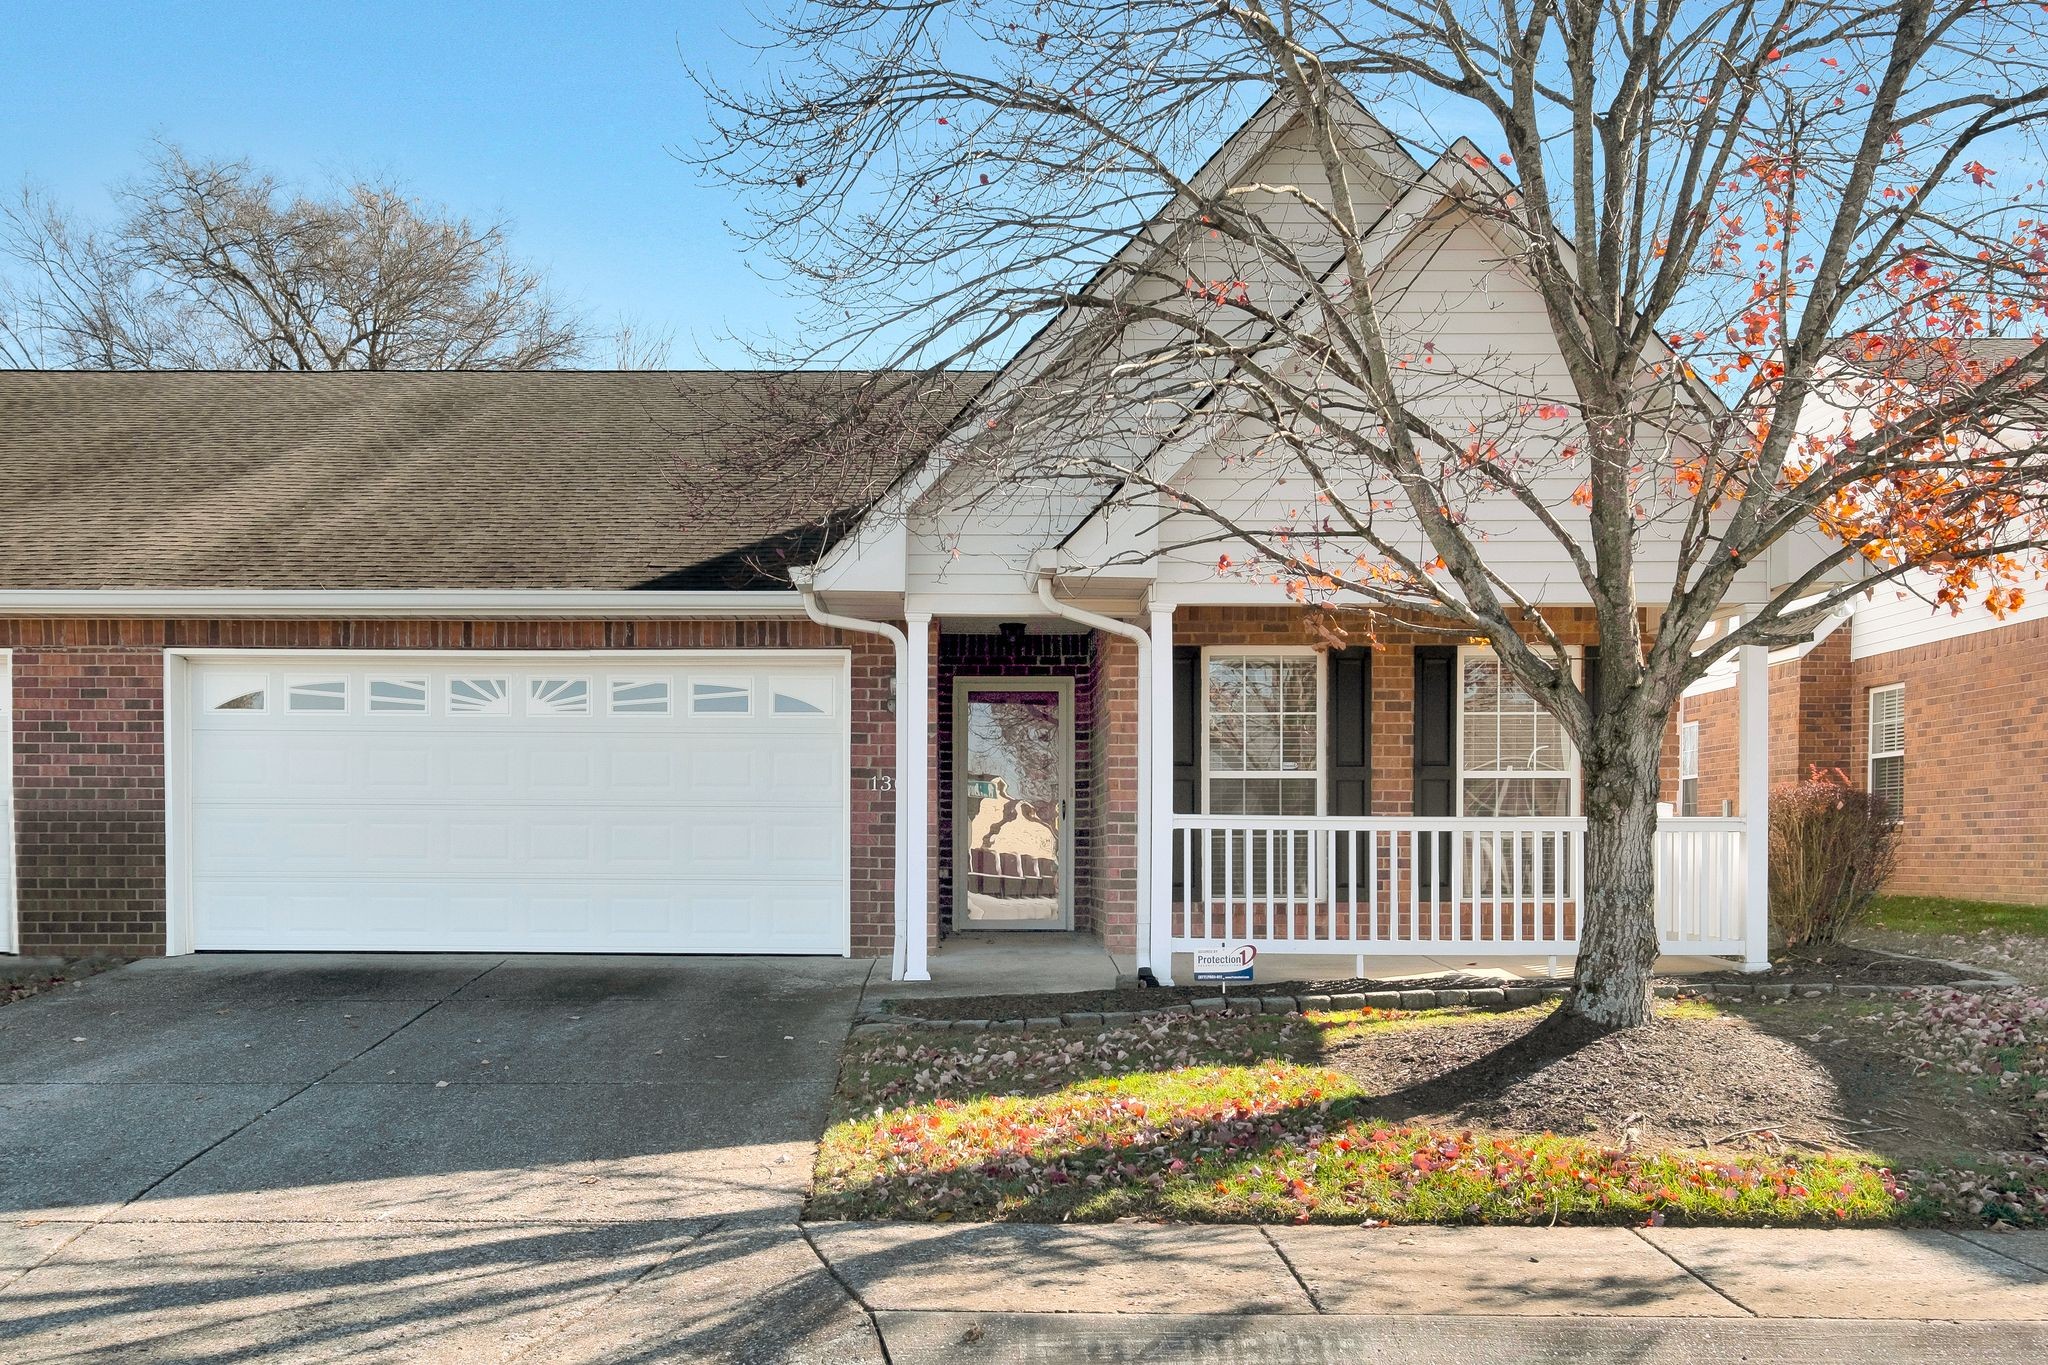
{"points": [[1618, 907]]}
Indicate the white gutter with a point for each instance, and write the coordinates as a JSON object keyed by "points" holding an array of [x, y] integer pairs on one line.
{"points": [[906, 961], [1139, 636], [420, 602]]}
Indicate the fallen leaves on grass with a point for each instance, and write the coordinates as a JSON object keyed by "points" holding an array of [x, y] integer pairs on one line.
{"points": [[1229, 1119]]}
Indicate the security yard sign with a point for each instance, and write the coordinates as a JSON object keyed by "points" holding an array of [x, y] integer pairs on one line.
{"points": [[1225, 963]]}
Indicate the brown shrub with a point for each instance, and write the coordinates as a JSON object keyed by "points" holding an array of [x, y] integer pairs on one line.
{"points": [[1831, 851]]}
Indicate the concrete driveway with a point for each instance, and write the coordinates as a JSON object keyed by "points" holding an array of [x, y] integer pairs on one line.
{"points": [[439, 1158]]}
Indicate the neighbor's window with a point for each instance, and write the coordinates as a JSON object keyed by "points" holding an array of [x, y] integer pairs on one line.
{"points": [[1689, 768], [1263, 734], [1888, 747], [1514, 758]]}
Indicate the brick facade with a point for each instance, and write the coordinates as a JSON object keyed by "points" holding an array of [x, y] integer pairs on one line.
{"points": [[89, 768], [1976, 819], [1103, 671], [89, 745], [1810, 721]]}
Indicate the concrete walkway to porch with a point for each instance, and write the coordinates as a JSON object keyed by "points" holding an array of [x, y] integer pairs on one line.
{"points": [[1167, 1293]]}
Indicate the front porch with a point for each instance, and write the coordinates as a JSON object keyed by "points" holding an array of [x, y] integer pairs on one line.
{"points": [[1383, 810]]}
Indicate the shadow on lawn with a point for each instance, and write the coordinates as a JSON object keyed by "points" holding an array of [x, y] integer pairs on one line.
{"points": [[1177, 1139]]}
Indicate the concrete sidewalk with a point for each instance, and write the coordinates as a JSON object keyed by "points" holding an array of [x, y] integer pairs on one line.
{"points": [[1170, 1293]]}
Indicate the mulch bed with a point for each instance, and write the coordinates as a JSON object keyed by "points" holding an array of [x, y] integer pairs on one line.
{"points": [[1844, 964], [1741, 1080], [1840, 964]]}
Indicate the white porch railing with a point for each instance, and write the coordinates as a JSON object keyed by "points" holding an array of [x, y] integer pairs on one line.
{"points": [[1384, 885]]}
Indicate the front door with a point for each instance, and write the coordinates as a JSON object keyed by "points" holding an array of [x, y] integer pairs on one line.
{"points": [[1012, 783]]}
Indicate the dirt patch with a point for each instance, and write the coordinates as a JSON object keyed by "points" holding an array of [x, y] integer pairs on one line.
{"points": [[1740, 1080], [1845, 964], [19, 983]]}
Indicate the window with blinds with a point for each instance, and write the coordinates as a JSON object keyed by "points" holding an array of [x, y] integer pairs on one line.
{"points": [[1689, 768], [1888, 746]]}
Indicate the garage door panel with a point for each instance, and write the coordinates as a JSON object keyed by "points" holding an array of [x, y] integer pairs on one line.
{"points": [[557, 827], [320, 914]]}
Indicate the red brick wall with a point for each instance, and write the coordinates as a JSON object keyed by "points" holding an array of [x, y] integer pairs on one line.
{"points": [[88, 734], [1976, 820], [1976, 751]]}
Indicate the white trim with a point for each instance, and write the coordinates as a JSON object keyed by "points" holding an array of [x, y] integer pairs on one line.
{"points": [[178, 928], [914, 775], [1155, 927], [10, 901], [1753, 780], [1573, 771], [462, 603], [1322, 716], [1873, 753]]}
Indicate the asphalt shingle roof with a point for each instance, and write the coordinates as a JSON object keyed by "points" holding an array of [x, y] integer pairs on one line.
{"points": [[560, 479]]}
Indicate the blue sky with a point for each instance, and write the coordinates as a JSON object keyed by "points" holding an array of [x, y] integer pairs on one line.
{"points": [[563, 118]]}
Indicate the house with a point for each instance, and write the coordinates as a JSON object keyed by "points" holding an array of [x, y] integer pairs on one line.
{"points": [[1943, 713], [448, 662]]}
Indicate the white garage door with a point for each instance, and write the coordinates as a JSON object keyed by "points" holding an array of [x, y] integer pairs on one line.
{"points": [[584, 804]]}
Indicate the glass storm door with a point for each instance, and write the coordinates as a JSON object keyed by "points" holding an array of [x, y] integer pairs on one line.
{"points": [[1010, 816]]}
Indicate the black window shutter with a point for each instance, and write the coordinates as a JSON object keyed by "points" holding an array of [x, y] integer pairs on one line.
{"points": [[1349, 685], [1187, 729], [1436, 723], [1436, 754], [1187, 751], [1589, 679]]}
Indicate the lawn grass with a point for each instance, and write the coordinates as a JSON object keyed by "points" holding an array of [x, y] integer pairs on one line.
{"points": [[1937, 915], [1232, 1119]]}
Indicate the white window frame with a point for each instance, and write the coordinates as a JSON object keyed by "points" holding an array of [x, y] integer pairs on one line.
{"points": [[531, 705], [1572, 771], [616, 681], [297, 680], [1870, 735], [1322, 775], [1689, 730], [743, 683], [423, 681]]}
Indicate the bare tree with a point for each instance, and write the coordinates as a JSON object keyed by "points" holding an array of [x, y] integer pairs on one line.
{"points": [[216, 265], [1760, 241]]}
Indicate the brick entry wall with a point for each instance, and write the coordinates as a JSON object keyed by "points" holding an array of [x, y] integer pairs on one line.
{"points": [[1104, 674], [1810, 724], [89, 746]]}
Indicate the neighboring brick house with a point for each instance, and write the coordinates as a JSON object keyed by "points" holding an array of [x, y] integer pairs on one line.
{"points": [[539, 662], [1946, 714]]}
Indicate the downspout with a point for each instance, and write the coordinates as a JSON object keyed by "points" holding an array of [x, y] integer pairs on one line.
{"points": [[805, 586], [1140, 637]]}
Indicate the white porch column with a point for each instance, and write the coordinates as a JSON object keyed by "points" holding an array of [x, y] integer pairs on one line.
{"points": [[1753, 777], [913, 774], [1156, 791]]}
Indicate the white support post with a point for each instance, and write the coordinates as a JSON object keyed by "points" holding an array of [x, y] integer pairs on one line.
{"points": [[1156, 791], [913, 774], [1753, 777]]}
